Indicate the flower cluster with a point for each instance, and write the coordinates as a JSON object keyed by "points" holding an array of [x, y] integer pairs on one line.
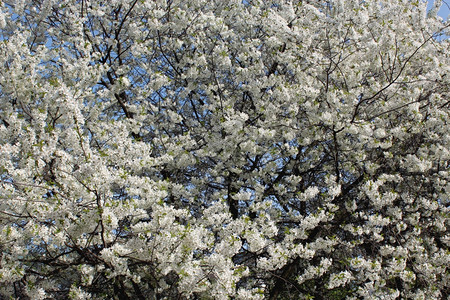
{"points": [[224, 150]]}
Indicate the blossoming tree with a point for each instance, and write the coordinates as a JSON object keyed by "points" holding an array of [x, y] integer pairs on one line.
{"points": [[211, 149]]}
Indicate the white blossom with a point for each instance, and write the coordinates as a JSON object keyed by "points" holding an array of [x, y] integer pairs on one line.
{"points": [[223, 149]]}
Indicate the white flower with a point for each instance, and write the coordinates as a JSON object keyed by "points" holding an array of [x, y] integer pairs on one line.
{"points": [[76, 293], [2, 20], [339, 279]]}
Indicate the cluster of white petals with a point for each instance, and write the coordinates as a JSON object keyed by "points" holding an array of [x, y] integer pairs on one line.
{"points": [[210, 149]]}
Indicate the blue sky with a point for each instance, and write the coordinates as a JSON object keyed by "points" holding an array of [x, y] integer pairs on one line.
{"points": [[445, 8]]}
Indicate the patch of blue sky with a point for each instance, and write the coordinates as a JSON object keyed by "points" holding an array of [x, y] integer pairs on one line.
{"points": [[444, 11]]}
